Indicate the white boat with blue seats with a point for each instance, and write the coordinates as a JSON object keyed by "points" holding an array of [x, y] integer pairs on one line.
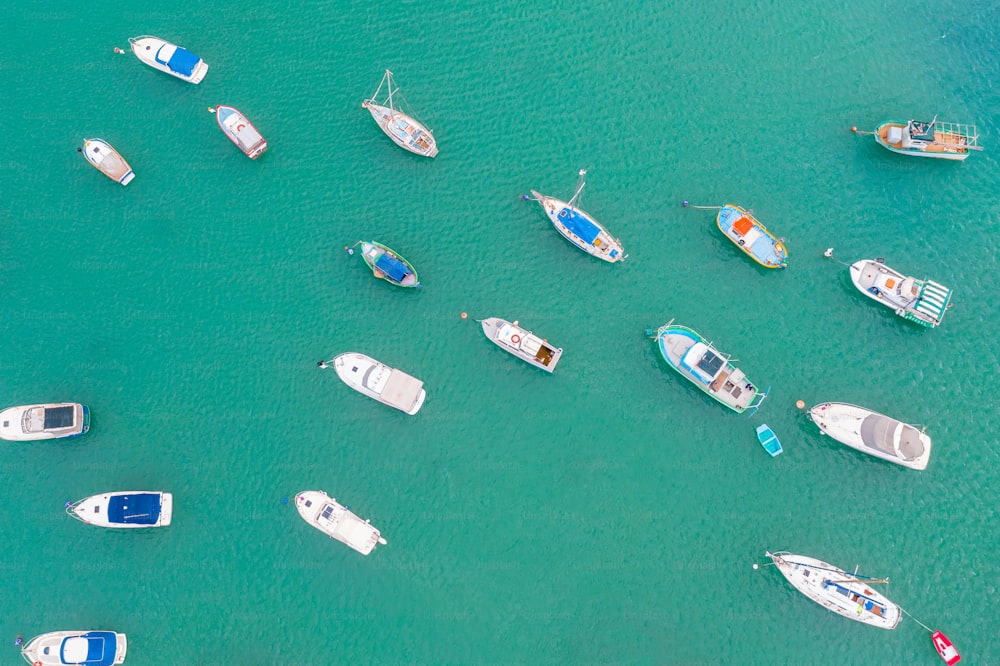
{"points": [[76, 648], [169, 58], [125, 509], [578, 227]]}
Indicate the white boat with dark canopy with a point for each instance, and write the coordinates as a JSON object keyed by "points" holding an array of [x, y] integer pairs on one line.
{"points": [[578, 227], [337, 521], [920, 301], [873, 433], [404, 130], [379, 382], [522, 343], [76, 648], [169, 58], [696, 359], [107, 160], [920, 138], [47, 421], [125, 509], [846, 594]]}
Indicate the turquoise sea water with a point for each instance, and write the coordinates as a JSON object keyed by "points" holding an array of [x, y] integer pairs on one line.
{"points": [[608, 513]]}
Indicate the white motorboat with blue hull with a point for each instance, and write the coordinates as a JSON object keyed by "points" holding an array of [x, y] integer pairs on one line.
{"points": [[169, 58], [337, 521], [51, 420], [125, 509], [76, 648], [696, 359], [578, 227]]}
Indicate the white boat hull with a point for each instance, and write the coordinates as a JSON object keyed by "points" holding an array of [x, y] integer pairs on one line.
{"points": [[336, 521], [405, 131], [159, 54], [873, 433], [836, 590], [52, 420], [603, 246], [240, 131], [380, 382], [51, 648], [921, 301], [103, 157], [522, 343], [112, 509]]}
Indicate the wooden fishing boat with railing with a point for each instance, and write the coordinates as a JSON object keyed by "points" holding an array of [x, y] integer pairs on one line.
{"points": [[935, 138]]}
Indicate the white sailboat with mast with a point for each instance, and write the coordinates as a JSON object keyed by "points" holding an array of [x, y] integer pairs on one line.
{"points": [[405, 130]]}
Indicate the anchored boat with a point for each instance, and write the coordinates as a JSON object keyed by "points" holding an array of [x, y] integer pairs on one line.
{"points": [[379, 382], [920, 301], [47, 421], [107, 160], [578, 227], [125, 509], [752, 237], [946, 141], [768, 440], [337, 522], [405, 130], [873, 433], [522, 343], [388, 265], [76, 648], [696, 359], [846, 594], [945, 649], [240, 131], [169, 58]]}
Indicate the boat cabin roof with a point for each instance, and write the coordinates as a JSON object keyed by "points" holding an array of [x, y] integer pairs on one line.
{"points": [[880, 432], [703, 363], [395, 269], [138, 509], [579, 225], [922, 130]]}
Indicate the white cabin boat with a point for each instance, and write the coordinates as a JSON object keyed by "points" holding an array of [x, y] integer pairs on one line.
{"points": [[107, 160], [846, 594], [920, 301], [169, 58], [935, 139], [404, 130], [522, 343], [578, 226], [125, 509], [76, 648], [379, 382], [47, 421], [240, 131], [337, 522], [873, 433]]}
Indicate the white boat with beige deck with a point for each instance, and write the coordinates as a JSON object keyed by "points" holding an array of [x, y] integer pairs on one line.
{"points": [[522, 343], [873, 433], [336, 521], [379, 382], [107, 160], [846, 594], [936, 139]]}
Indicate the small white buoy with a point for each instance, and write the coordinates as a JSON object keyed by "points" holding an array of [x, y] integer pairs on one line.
{"points": [[829, 252], [756, 566]]}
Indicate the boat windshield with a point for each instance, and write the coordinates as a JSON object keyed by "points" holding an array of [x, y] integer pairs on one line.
{"points": [[376, 378], [58, 417]]}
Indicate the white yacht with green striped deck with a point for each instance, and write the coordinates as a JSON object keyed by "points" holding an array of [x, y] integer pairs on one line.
{"points": [[920, 301]]}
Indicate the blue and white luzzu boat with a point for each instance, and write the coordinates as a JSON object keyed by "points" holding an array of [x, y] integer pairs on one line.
{"points": [[76, 648], [125, 509], [752, 237], [578, 227], [169, 58]]}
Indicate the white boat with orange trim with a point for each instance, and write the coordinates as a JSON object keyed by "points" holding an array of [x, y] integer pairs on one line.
{"points": [[936, 139], [240, 131]]}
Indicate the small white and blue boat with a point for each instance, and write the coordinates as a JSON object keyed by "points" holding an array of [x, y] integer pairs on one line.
{"points": [[169, 58], [125, 509], [768, 440], [578, 227], [751, 236], [76, 648]]}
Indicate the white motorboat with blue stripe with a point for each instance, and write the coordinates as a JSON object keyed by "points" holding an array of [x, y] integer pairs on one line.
{"points": [[76, 648], [125, 509], [578, 227], [169, 58]]}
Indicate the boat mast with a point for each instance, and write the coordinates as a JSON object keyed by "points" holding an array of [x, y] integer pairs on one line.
{"points": [[388, 80], [579, 187]]}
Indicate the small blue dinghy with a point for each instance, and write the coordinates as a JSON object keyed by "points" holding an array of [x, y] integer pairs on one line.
{"points": [[768, 440]]}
